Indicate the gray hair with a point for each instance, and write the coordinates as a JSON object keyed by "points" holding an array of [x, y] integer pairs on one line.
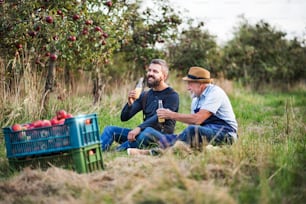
{"points": [[163, 64]]}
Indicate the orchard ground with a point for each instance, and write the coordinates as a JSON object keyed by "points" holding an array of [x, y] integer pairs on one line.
{"points": [[266, 165]]}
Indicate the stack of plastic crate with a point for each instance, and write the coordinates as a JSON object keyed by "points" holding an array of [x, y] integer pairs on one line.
{"points": [[74, 145]]}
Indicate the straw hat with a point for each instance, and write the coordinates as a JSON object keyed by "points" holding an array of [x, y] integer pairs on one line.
{"points": [[198, 74]]}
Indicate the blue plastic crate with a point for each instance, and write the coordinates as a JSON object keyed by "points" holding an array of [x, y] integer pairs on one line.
{"points": [[76, 132]]}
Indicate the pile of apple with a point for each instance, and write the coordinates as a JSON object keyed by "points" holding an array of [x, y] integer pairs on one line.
{"points": [[58, 119]]}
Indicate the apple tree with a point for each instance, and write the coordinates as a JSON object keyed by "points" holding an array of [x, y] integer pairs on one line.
{"points": [[71, 34], [149, 31]]}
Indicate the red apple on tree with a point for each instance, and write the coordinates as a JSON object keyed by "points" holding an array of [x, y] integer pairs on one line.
{"points": [[85, 31], [18, 46], [105, 35], [55, 37], [97, 28], [109, 3], [76, 17], [72, 38], [32, 33], [59, 12], [53, 57], [37, 28], [88, 22], [49, 19]]}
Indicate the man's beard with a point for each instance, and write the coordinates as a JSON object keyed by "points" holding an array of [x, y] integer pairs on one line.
{"points": [[154, 83], [192, 94]]}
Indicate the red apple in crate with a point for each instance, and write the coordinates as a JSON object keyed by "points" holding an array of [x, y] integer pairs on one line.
{"points": [[37, 123], [65, 142], [69, 115], [61, 114], [25, 126], [46, 123], [57, 131], [28, 126], [91, 152], [16, 127], [61, 121], [22, 136], [54, 121], [87, 121]]}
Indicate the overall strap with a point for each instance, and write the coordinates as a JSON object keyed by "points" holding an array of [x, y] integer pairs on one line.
{"points": [[143, 102]]}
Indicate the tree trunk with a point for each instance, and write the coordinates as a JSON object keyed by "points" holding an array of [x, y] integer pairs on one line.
{"points": [[97, 86], [68, 79], [49, 86]]}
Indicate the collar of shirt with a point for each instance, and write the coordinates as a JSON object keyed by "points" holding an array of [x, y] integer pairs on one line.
{"points": [[206, 91], [196, 102]]}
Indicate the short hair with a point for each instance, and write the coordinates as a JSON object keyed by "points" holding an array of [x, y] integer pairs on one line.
{"points": [[163, 64]]}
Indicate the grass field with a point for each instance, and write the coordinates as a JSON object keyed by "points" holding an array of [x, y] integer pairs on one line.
{"points": [[266, 165]]}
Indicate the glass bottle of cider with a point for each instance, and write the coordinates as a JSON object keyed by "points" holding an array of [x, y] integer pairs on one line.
{"points": [[160, 105], [139, 87]]}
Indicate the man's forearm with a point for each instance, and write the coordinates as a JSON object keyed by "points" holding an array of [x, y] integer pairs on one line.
{"points": [[196, 118], [184, 118]]}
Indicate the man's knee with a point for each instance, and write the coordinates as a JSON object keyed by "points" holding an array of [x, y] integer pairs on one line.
{"points": [[108, 130], [147, 137], [147, 130]]}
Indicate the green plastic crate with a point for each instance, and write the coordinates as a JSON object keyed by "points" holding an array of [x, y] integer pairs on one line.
{"points": [[82, 160]]}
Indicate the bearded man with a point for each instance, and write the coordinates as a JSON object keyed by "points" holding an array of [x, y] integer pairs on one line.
{"points": [[157, 74]]}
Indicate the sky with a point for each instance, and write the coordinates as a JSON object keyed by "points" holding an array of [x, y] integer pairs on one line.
{"points": [[222, 16]]}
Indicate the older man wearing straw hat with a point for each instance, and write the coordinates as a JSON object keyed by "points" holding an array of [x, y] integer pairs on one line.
{"points": [[212, 119]]}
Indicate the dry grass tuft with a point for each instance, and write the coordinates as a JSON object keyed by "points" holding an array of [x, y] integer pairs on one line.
{"points": [[140, 179]]}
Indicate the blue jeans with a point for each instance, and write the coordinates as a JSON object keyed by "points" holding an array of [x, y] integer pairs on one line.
{"points": [[147, 138], [213, 133], [151, 137], [111, 134]]}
